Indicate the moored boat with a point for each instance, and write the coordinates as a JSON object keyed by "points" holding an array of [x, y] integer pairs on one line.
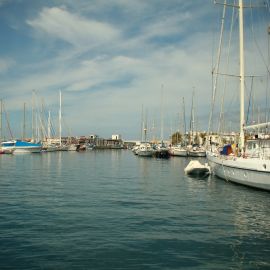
{"points": [[178, 150], [18, 146], [196, 151], [240, 166], [162, 151], [6, 151], [197, 169], [145, 150]]}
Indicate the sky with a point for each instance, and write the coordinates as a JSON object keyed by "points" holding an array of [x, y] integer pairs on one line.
{"points": [[115, 62]]}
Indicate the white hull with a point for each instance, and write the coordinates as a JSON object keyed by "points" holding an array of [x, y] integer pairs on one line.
{"points": [[145, 150], [72, 147], [253, 172], [197, 169], [178, 152], [145, 153], [51, 149], [196, 153], [27, 150]]}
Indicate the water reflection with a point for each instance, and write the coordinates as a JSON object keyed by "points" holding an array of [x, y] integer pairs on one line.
{"points": [[144, 212]]}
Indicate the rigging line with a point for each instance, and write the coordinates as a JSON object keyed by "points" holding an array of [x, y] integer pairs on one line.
{"points": [[256, 43], [251, 90], [7, 120], [232, 101], [217, 67], [191, 124], [227, 66], [40, 111], [266, 62], [238, 76], [237, 5], [184, 115], [267, 85]]}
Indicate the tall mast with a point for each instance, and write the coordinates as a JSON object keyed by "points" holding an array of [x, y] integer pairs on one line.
{"points": [[184, 117], [49, 128], [210, 127], [23, 135], [184, 121], [145, 128], [60, 118], [33, 118], [142, 124], [242, 74], [1, 120], [161, 116], [192, 119]]}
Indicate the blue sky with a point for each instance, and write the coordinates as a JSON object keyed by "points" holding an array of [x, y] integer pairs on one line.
{"points": [[108, 58]]}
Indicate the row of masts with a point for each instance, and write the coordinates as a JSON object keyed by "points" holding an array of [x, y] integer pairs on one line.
{"points": [[37, 121], [144, 123]]}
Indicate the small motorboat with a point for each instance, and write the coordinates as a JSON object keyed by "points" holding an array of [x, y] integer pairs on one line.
{"points": [[195, 168]]}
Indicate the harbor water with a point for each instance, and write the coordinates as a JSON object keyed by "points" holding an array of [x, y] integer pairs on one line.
{"points": [[111, 209]]}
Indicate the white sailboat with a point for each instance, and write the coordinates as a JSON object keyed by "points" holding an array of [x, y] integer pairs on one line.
{"points": [[62, 147], [194, 149], [180, 149], [145, 149], [249, 170], [48, 146], [161, 149]]}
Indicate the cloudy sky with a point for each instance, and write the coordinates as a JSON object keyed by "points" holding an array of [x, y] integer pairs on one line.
{"points": [[109, 59]]}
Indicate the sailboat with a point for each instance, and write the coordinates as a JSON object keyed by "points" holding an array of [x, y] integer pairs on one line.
{"points": [[145, 149], [161, 149], [20, 146], [3, 150], [48, 146], [194, 149], [180, 149], [243, 167]]}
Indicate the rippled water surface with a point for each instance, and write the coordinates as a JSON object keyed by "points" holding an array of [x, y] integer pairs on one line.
{"points": [[114, 210]]}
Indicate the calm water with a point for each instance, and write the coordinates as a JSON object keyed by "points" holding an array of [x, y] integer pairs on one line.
{"points": [[114, 210]]}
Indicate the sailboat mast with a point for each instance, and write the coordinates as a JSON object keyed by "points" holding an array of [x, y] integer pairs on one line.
{"points": [[23, 135], [191, 126], [145, 128], [60, 118], [49, 127], [33, 117], [242, 74], [142, 124], [1, 121], [184, 117], [161, 116]]}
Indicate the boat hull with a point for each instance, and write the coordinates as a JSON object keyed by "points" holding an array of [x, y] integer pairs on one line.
{"points": [[51, 149], [198, 172], [245, 171], [145, 153], [196, 153], [6, 151], [178, 152], [162, 153], [19, 147], [22, 150]]}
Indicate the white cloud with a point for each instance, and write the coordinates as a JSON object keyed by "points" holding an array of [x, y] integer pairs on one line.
{"points": [[167, 26], [72, 28], [108, 72]]}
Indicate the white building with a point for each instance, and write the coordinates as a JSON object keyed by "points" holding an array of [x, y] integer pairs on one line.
{"points": [[116, 137]]}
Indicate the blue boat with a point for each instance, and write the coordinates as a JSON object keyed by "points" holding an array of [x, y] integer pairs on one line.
{"points": [[18, 146]]}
